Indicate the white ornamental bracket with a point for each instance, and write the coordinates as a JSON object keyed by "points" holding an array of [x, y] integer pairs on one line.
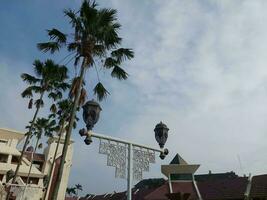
{"points": [[117, 157], [129, 159]]}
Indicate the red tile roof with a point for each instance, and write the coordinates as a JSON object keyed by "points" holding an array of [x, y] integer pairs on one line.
{"points": [[212, 189], [136, 195], [161, 192], [71, 198], [223, 189], [259, 186]]}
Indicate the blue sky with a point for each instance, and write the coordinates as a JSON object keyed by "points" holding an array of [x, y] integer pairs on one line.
{"points": [[199, 66]]}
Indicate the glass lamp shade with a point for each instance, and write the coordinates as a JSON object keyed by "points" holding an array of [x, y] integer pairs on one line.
{"points": [[91, 113], [161, 134]]}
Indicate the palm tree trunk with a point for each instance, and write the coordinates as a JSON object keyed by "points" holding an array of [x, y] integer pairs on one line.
{"points": [[28, 176], [25, 145], [54, 159], [69, 130], [33, 153]]}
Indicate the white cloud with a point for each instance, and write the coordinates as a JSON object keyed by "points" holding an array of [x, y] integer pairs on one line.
{"points": [[206, 77]]}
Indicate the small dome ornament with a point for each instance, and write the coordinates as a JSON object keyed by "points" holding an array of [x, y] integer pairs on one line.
{"points": [[161, 134], [91, 113]]}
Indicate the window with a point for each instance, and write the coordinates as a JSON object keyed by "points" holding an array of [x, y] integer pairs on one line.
{"points": [[181, 177], [3, 158], [1, 177], [3, 141], [15, 160], [38, 165], [32, 180]]}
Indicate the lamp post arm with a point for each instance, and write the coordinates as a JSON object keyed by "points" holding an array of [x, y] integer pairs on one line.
{"points": [[101, 136]]}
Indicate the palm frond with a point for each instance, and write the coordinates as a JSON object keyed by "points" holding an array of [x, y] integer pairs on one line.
{"points": [[50, 65], [109, 36], [36, 89], [76, 61], [74, 46], [72, 15], [62, 73], [100, 91], [57, 35], [63, 86], [29, 78], [99, 50], [38, 67], [110, 62], [79, 187], [27, 93], [30, 104], [122, 54], [88, 11], [59, 95], [39, 103], [55, 95], [51, 47], [106, 16], [119, 73]]}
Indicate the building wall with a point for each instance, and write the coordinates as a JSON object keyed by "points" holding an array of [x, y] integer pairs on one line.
{"points": [[9, 148]]}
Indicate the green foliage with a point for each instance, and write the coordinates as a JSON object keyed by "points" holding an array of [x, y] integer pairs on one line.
{"points": [[56, 35], [119, 73], [61, 110], [73, 191], [44, 126], [49, 77], [48, 47], [96, 38], [100, 91]]}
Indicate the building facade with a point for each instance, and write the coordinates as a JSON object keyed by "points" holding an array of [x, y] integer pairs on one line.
{"points": [[42, 163]]}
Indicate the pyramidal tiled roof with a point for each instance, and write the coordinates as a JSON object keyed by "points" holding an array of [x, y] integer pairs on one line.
{"points": [[178, 160]]}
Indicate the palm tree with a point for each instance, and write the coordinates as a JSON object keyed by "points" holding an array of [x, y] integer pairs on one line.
{"points": [[78, 188], [74, 191], [71, 191], [62, 115], [49, 78], [95, 40], [41, 127]]}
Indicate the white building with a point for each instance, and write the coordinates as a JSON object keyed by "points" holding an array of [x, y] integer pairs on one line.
{"points": [[42, 163]]}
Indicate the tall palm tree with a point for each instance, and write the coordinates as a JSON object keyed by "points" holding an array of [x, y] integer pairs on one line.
{"points": [[41, 127], [63, 114], [95, 40], [49, 78], [78, 188]]}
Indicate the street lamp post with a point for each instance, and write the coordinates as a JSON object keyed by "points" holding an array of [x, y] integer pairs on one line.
{"points": [[129, 159]]}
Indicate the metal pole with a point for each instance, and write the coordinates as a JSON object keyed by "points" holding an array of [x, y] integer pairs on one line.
{"points": [[130, 174], [170, 183]]}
